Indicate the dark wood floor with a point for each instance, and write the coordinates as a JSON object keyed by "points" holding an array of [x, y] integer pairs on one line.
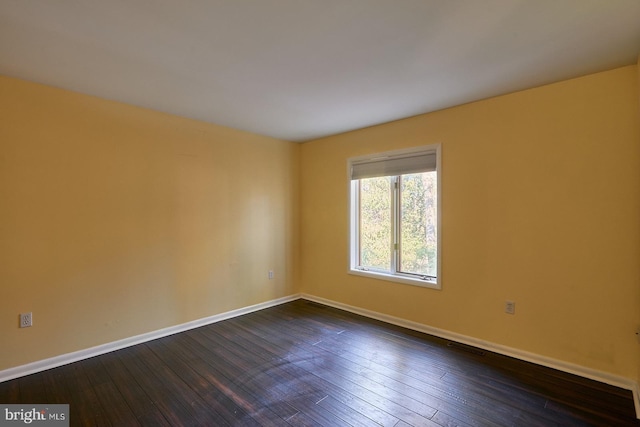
{"points": [[302, 363]]}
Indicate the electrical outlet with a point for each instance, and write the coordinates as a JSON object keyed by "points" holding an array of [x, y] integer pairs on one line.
{"points": [[510, 307], [26, 320], [270, 274]]}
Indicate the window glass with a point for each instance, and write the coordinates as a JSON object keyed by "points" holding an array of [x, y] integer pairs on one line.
{"points": [[418, 249], [376, 237]]}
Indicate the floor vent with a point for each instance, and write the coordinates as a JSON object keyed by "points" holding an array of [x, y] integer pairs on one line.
{"points": [[466, 348]]}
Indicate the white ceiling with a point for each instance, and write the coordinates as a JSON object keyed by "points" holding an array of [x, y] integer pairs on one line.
{"points": [[303, 69]]}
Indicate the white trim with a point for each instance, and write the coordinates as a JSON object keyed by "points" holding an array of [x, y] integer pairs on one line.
{"points": [[395, 278], [593, 374], [636, 398], [353, 231], [64, 359]]}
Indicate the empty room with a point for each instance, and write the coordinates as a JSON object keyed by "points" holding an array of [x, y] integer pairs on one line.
{"points": [[336, 213]]}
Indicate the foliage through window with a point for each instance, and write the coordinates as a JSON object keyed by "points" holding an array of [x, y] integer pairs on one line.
{"points": [[394, 216]]}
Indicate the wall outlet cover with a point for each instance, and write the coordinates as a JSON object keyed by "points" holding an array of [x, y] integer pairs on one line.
{"points": [[26, 320], [510, 307]]}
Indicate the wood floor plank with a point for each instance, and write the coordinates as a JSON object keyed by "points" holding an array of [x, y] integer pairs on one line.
{"points": [[10, 392], [284, 376], [87, 410], [234, 408], [250, 342], [360, 365], [55, 386], [406, 408], [346, 413], [112, 401], [355, 368], [32, 389], [227, 376], [167, 392], [305, 364], [141, 404]]}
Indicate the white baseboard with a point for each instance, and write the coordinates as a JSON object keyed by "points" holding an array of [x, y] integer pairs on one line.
{"points": [[604, 377], [64, 359], [636, 398]]}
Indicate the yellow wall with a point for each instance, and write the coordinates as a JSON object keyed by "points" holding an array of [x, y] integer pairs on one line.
{"points": [[116, 221], [540, 205]]}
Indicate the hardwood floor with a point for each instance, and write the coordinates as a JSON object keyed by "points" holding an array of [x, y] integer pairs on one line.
{"points": [[302, 364]]}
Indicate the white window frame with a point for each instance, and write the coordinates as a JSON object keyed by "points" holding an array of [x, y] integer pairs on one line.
{"points": [[353, 218]]}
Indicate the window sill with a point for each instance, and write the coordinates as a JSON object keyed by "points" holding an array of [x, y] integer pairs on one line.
{"points": [[398, 279]]}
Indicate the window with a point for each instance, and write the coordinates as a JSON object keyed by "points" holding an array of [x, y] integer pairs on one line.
{"points": [[394, 218]]}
